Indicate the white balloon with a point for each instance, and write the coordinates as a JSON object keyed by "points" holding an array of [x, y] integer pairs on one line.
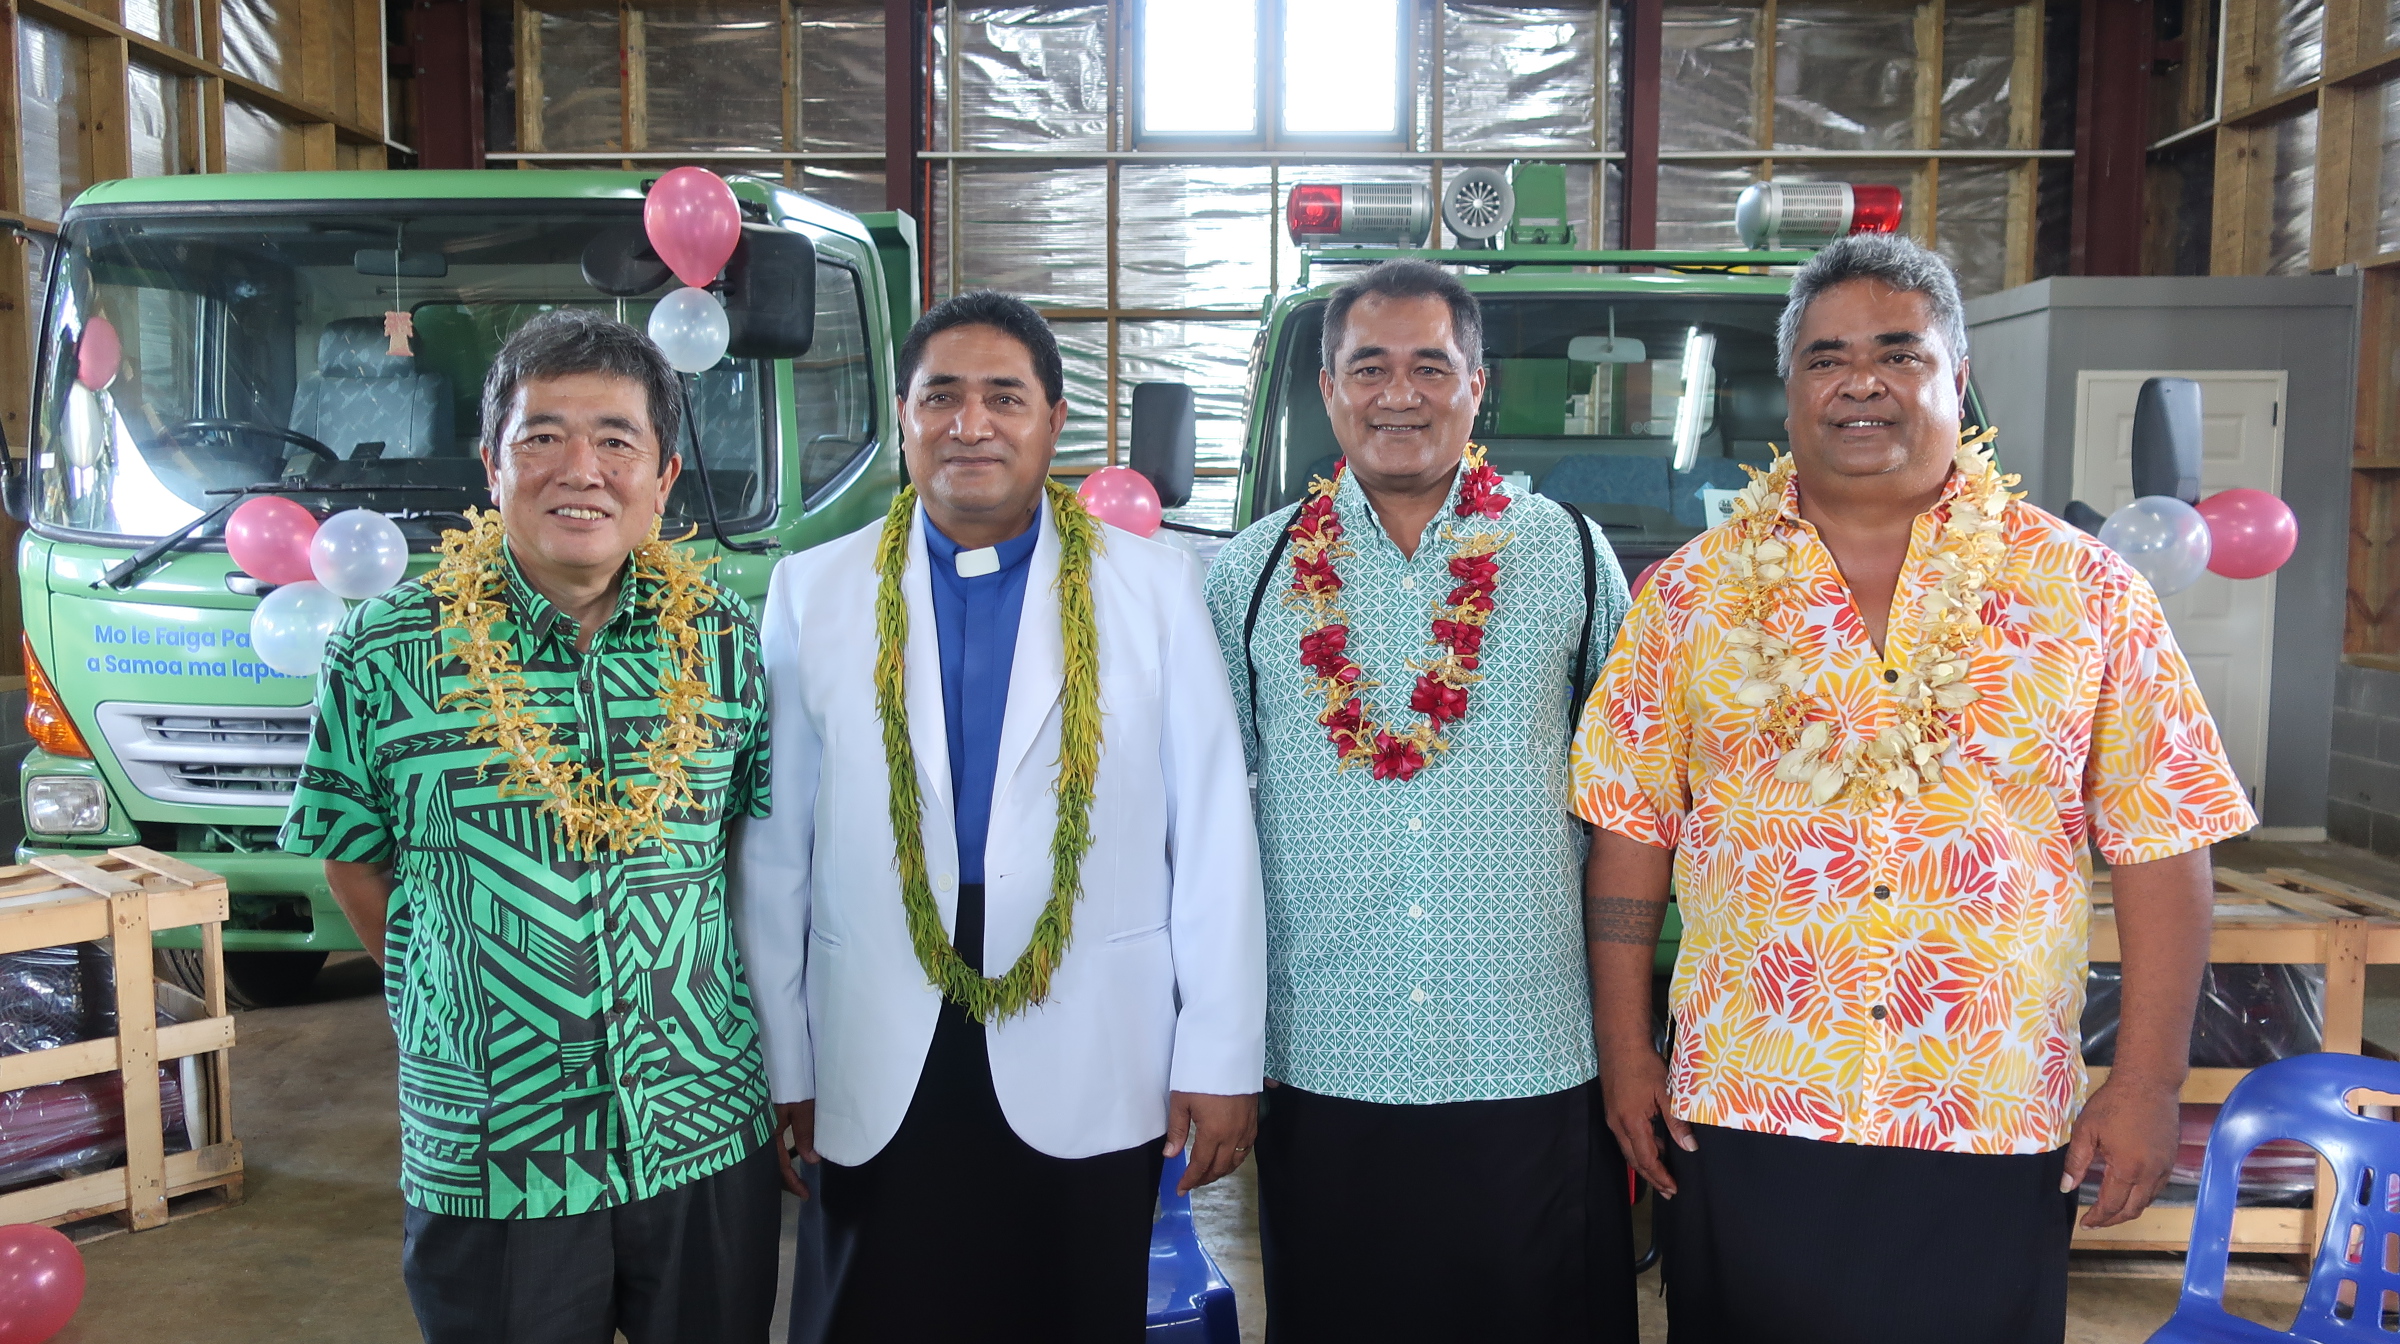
{"points": [[689, 328], [358, 553], [290, 627], [2163, 537]]}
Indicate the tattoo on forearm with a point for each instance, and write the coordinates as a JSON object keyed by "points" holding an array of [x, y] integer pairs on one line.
{"points": [[1607, 919]]}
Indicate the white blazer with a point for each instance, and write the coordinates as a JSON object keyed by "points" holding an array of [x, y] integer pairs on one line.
{"points": [[1163, 985]]}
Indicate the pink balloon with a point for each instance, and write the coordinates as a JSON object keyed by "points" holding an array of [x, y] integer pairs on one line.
{"points": [[41, 1283], [1642, 580], [1123, 497], [268, 538], [693, 222], [2252, 532], [98, 353]]}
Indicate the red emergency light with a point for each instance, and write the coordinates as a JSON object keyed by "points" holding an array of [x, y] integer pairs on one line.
{"points": [[1812, 214], [1389, 214]]}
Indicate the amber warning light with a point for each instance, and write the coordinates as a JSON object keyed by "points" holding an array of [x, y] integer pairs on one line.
{"points": [[1812, 214], [1371, 214]]}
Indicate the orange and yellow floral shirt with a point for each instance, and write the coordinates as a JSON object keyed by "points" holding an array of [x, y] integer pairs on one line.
{"points": [[1909, 974]]}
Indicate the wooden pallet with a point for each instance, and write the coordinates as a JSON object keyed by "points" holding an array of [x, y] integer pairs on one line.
{"points": [[123, 897], [2285, 916]]}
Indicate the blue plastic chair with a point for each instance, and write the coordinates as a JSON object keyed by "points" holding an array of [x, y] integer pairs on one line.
{"points": [[2302, 1098], [1190, 1302]]}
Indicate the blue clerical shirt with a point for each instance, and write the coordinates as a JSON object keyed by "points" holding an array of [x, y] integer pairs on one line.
{"points": [[976, 619]]}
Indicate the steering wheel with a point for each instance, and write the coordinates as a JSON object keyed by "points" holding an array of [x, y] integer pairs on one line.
{"points": [[290, 436]]}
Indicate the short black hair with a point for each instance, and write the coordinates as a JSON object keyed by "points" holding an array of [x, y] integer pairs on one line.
{"points": [[989, 308], [567, 341], [1407, 278]]}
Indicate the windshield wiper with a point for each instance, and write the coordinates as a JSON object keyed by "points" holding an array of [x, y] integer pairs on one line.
{"points": [[132, 567]]}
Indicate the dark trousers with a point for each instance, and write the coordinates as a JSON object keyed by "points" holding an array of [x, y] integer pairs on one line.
{"points": [[692, 1266], [960, 1231], [1806, 1242], [1498, 1220]]}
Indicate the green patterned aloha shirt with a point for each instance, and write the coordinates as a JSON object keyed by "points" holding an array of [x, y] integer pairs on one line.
{"points": [[1424, 938], [573, 1034]]}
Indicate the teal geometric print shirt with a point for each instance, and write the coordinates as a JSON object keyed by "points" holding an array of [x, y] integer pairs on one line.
{"points": [[574, 1033], [1424, 937]]}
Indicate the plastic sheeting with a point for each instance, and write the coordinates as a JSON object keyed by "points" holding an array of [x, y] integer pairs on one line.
{"points": [[162, 20], [1030, 77], [714, 74], [1083, 348], [841, 80], [1971, 223], [1695, 205], [1979, 51], [2298, 42], [1517, 78], [56, 996], [1845, 78], [2387, 181], [258, 141], [2249, 1014], [154, 124], [251, 35], [2277, 1174], [1038, 232], [583, 100], [1704, 86], [2292, 216], [49, 89], [1193, 236]]}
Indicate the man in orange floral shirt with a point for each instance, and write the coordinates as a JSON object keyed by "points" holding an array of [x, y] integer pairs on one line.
{"points": [[1872, 727]]}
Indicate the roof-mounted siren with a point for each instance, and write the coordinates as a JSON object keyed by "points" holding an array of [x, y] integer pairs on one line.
{"points": [[1811, 214], [1359, 214], [1477, 206]]}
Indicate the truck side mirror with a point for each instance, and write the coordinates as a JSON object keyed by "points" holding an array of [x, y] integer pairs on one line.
{"points": [[771, 294], [1166, 434], [2166, 439], [16, 478]]}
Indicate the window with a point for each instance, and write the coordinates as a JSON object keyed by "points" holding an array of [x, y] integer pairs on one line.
{"points": [[833, 385], [1307, 71]]}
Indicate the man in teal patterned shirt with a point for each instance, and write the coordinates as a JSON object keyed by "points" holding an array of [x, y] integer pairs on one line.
{"points": [[1407, 694], [584, 1119]]}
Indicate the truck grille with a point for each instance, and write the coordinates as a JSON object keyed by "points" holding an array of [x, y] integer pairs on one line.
{"points": [[246, 755]]}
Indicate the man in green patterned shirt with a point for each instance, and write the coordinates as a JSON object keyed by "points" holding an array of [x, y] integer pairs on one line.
{"points": [[584, 1119], [1403, 649]]}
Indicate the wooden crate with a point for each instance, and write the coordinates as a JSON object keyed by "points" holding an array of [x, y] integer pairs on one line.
{"points": [[122, 897], [2285, 916]]}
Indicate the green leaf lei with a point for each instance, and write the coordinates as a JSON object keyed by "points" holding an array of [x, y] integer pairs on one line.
{"points": [[990, 999]]}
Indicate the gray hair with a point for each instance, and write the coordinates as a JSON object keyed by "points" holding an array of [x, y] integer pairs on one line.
{"points": [[567, 341], [1407, 278], [1891, 258]]}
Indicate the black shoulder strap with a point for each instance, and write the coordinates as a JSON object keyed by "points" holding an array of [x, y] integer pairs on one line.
{"points": [[1591, 610], [1258, 594]]}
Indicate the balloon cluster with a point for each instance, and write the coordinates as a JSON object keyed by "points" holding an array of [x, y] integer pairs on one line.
{"points": [[694, 224], [41, 1283], [2241, 534], [1122, 497], [314, 566]]}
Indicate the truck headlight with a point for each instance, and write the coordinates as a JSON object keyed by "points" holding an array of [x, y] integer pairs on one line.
{"points": [[65, 805]]}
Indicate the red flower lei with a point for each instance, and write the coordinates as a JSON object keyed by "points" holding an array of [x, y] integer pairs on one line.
{"points": [[1458, 622]]}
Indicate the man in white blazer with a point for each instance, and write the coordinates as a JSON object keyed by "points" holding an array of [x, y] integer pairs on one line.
{"points": [[1004, 930]]}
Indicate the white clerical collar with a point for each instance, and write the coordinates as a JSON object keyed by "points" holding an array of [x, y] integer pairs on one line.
{"points": [[979, 562]]}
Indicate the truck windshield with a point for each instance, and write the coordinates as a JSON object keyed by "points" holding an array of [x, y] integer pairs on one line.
{"points": [[1639, 410], [340, 351]]}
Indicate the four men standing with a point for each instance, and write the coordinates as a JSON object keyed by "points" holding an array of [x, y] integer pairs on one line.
{"points": [[1004, 945]]}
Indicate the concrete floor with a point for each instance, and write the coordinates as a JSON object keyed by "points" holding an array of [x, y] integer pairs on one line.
{"points": [[313, 1254]]}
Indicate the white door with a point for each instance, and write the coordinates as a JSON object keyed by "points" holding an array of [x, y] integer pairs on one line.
{"points": [[2226, 626]]}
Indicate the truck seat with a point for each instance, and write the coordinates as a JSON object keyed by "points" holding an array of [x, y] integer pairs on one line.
{"points": [[361, 395]]}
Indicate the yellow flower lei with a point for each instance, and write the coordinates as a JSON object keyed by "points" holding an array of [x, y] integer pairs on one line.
{"points": [[1907, 756], [585, 807]]}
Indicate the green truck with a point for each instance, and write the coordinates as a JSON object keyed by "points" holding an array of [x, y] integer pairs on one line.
{"points": [[263, 351], [1633, 385]]}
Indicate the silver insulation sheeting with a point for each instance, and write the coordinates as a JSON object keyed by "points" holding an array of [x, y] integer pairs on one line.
{"points": [[715, 77], [1845, 78], [1704, 97], [251, 38], [583, 103], [2387, 181], [1030, 77], [2298, 42], [1518, 77], [2292, 215], [1194, 236], [49, 80], [258, 141], [1973, 218]]}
